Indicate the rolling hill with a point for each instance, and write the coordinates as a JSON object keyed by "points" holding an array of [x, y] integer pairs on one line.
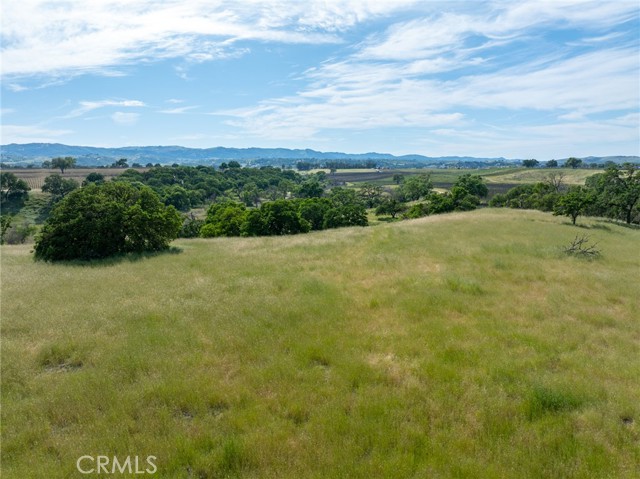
{"points": [[464, 345]]}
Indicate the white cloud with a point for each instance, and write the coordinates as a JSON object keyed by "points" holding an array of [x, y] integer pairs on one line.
{"points": [[392, 79], [124, 118], [30, 134], [41, 37], [179, 110], [87, 106]]}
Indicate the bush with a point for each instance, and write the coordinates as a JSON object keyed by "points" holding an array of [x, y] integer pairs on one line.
{"points": [[99, 221]]}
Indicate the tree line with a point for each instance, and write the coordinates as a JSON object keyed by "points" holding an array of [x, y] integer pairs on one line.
{"points": [[613, 194]]}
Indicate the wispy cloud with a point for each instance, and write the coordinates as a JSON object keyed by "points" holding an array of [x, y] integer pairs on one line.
{"points": [[40, 37], [431, 72], [125, 118], [31, 134], [87, 106], [179, 110]]}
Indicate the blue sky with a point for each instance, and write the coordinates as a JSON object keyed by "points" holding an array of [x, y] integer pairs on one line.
{"points": [[519, 79]]}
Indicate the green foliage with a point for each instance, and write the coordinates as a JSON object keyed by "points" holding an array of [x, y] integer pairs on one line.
{"points": [[398, 178], [178, 197], [473, 185], [344, 197], [311, 188], [285, 217], [188, 187], [440, 203], [5, 224], [190, 227], [58, 186], [346, 215], [99, 221], [121, 163], [415, 187], [19, 232], [551, 164], [573, 163], [63, 163], [224, 219], [417, 210], [617, 193], [573, 203], [12, 187], [532, 163], [281, 217], [540, 196], [314, 211], [371, 194], [93, 177], [391, 206]]}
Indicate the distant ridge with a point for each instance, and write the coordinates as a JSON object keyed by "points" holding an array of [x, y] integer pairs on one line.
{"points": [[94, 156]]}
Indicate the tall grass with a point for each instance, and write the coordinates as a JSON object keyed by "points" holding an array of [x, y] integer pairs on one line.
{"points": [[463, 345]]}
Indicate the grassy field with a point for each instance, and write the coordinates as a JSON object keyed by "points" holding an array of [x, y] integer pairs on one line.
{"points": [[528, 175], [458, 346], [495, 177]]}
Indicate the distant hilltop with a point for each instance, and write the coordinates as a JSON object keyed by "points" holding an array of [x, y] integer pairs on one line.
{"points": [[31, 153]]}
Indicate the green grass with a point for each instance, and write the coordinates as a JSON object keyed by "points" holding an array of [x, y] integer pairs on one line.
{"points": [[462, 345], [535, 175]]}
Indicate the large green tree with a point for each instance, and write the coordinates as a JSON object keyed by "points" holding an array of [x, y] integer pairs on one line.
{"points": [[573, 162], [573, 203], [473, 184], [58, 186], [617, 192], [391, 206], [99, 221], [11, 186], [224, 219], [416, 187], [63, 163]]}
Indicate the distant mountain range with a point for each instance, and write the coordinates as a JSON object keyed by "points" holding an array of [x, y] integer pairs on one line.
{"points": [[31, 153]]}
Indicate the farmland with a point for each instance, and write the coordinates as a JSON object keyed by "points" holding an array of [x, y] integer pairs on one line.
{"points": [[35, 176], [459, 345]]}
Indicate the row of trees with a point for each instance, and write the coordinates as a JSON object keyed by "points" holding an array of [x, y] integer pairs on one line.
{"points": [[342, 207], [569, 163], [190, 187], [613, 194], [465, 195]]}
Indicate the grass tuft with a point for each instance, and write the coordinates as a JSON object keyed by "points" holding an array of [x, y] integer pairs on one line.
{"points": [[543, 400]]}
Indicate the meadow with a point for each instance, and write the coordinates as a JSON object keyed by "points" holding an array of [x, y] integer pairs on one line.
{"points": [[463, 345]]}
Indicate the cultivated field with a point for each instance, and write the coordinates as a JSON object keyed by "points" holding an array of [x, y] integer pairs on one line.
{"points": [[498, 179], [35, 176], [458, 346]]}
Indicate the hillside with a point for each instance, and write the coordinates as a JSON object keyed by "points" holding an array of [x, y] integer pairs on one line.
{"points": [[463, 345], [88, 155]]}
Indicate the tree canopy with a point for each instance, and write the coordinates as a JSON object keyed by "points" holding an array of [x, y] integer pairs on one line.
{"points": [[11, 186], [102, 220], [63, 163]]}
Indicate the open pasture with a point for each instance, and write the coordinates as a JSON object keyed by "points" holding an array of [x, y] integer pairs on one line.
{"points": [[462, 345]]}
